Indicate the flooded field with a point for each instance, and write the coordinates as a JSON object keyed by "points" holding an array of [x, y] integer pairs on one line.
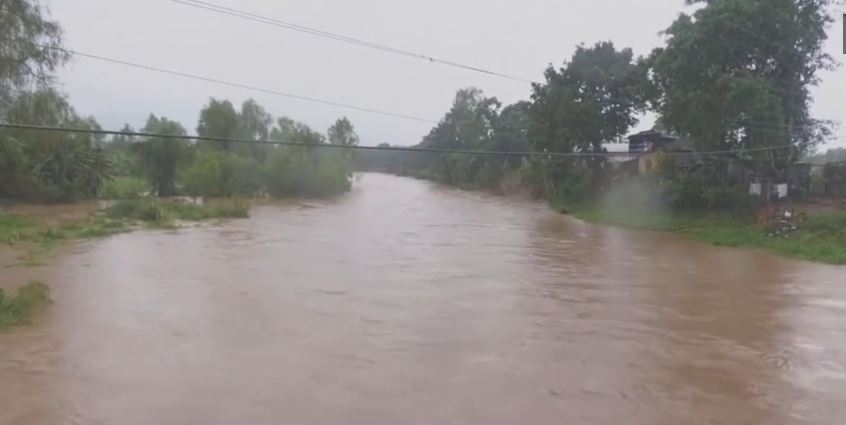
{"points": [[409, 303]]}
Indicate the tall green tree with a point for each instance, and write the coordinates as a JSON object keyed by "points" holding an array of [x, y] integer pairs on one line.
{"points": [[593, 99], [28, 47], [342, 133], [737, 74], [468, 123], [161, 157], [219, 119], [254, 123], [288, 130], [125, 139], [50, 166], [511, 128]]}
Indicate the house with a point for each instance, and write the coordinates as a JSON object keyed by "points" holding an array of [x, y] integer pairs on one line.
{"points": [[651, 146]]}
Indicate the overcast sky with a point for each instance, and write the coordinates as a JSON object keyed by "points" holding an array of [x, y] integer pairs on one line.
{"points": [[514, 37]]}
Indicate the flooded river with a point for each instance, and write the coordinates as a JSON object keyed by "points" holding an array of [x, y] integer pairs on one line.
{"points": [[408, 303]]}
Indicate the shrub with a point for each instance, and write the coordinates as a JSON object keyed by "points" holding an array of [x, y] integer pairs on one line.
{"points": [[222, 174], [125, 188], [302, 172]]}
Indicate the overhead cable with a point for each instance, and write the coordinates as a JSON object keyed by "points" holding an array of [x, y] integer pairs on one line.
{"points": [[342, 38], [20, 126], [238, 85]]}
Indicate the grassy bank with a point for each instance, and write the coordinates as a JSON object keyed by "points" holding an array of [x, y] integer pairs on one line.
{"points": [[38, 238], [122, 216], [164, 212], [19, 308], [820, 238]]}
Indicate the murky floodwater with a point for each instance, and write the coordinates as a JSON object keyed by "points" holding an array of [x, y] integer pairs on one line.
{"points": [[408, 303]]}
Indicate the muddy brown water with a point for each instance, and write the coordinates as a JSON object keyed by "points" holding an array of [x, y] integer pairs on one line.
{"points": [[409, 303]]}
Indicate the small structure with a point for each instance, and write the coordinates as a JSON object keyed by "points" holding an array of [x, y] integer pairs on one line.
{"points": [[651, 146]]}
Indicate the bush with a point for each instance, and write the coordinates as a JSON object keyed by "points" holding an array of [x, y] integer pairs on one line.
{"points": [[695, 191], [729, 198], [302, 172], [125, 188], [222, 174], [571, 186]]}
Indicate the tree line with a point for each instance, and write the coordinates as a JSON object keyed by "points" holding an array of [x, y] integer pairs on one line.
{"points": [[732, 75], [223, 169], [58, 166], [62, 167]]}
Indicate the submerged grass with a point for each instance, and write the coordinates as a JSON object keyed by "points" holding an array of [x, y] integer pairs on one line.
{"points": [[820, 238], [120, 217], [19, 308], [163, 212]]}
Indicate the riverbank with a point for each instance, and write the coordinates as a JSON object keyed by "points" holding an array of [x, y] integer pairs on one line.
{"points": [[31, 234], [821, 238], [116, 217]]}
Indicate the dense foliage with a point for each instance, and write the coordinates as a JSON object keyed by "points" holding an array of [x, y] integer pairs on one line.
{"points": [[734, 74], [60, 166]]}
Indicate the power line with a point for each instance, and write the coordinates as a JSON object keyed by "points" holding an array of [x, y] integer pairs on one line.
{"points": [[339, 37], [300, 97], [234, 84], [303, 144], [379, 148]]}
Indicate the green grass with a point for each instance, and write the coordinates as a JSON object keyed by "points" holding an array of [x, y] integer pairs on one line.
{"points": [[821, 238], [163, 212], [39, 238], [121, 217], [14, 228], [19, 308]]}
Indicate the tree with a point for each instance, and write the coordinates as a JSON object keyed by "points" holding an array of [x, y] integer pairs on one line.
{"points": [[162, 156], [342, 133], [29, 47], [592, 100], [125, 139], [288, 130], [219, 119], [50, 166], [736, 74], [511, 128], [468, 123], [254, 123]]}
